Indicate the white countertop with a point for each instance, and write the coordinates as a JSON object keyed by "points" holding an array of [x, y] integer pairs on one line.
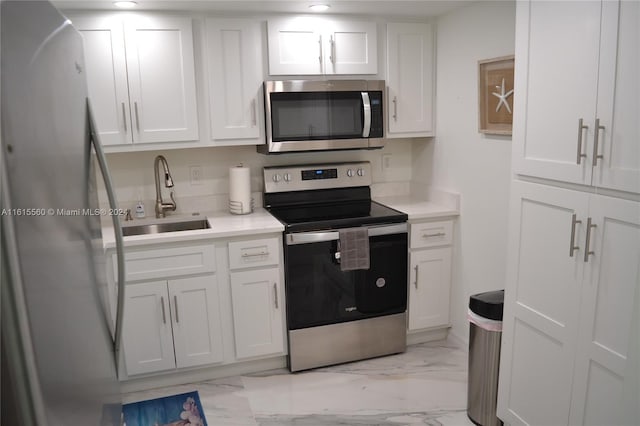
{"points": [[222, 224], [417, 209]]}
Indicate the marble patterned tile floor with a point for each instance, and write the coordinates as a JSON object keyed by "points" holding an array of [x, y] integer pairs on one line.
{"points": [[426, 385]]}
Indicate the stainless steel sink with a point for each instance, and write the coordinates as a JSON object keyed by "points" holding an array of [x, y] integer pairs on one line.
{"points": [[157, 228]]}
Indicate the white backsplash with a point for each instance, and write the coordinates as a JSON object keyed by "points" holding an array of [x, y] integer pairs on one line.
{"points": [[132, 173]]}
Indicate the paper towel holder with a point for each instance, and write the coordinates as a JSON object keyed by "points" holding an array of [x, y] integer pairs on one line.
{"points": [[237, 207]]}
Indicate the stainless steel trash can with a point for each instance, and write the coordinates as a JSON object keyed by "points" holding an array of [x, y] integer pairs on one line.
{"points": [[485, 334]]}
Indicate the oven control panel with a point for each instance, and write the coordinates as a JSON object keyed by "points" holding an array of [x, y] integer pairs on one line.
{"points": [[316, 176]]}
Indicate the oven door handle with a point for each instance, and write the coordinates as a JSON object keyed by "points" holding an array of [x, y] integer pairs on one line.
{"points": [[317, 237]]}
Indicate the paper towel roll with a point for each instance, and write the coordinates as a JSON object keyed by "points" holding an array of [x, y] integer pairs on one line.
{"points": [[240, 190]]}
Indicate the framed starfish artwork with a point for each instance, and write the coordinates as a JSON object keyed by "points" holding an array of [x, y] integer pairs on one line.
{"points": [[495, 95]]}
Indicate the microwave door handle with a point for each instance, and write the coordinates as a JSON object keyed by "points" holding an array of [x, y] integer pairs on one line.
{"points": [[366, 106]]}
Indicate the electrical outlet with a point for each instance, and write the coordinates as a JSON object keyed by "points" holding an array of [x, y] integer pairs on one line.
{"points": [[386, 162], [195, 172]]}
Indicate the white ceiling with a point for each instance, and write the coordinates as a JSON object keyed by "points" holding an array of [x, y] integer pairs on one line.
{"points": [[408, 8]]}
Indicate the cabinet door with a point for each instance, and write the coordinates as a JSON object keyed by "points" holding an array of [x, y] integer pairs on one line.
{"points": [[607, 369], [146, 333], [257, 312], [542, 298], [429, 288], [352, 48], [556, 82], [619, 99], [409, 80], [195, 314], [162, 86], [295, 47], [106, 72], [234, 60]]}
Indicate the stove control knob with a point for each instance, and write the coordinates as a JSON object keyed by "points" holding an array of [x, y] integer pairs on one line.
{"points": [[350, 173], [360, 172], [276, 178], [287, 177]]}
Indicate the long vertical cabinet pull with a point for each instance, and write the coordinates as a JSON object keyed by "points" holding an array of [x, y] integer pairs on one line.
{"points": [[175, 300], [135, 107], [320, 45], [332, 51], [596, 141], [416, 283], [587, 252], [395, 108], [581, 128], [275, 294], [572, 246], [124, 118], [164, 316]]}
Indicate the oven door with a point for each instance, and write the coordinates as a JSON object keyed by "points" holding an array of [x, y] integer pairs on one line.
{"points": [[319, 293]]}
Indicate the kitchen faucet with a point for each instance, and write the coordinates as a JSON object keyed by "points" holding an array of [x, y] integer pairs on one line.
{"points": [[161, 206]]}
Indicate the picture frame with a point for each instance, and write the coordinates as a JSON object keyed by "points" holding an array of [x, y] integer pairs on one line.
{"points": [[495, 95]]}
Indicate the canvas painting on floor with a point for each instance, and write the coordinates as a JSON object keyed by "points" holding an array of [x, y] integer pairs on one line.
{"points": [[175, 410]]}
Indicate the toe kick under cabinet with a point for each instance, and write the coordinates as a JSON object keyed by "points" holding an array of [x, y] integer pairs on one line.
{"points": [[200, 304], [430, 254]]}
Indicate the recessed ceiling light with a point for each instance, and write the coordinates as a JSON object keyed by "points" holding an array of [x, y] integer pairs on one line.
{"points": [[319, 7], [125, 4]]}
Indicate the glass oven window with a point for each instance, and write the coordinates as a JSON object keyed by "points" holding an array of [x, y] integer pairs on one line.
{"points": [[298, 116]]}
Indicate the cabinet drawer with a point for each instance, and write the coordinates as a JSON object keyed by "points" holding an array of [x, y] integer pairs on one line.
{"points": [[247, 254], [430, 234], [167, 262]]}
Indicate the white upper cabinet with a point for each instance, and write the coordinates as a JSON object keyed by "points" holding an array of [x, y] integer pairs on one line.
{"points": [[409, 80], [315, 46], [106, 71], [618, 107], [234, 74], [577, 67], [141, 77]]}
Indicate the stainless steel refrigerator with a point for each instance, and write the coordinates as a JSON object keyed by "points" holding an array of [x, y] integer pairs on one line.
{"points": [[58, 351]]}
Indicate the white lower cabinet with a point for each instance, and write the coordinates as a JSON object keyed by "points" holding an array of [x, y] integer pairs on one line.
{"points": [[257, 312], [571, 339], [429, 274], [172, 324]]}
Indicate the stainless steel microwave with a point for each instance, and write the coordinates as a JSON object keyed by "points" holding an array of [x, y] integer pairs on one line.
{"points": [[303, 115]]}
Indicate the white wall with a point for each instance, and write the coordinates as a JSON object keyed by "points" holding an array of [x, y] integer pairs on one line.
{"points": [[462, 160]]}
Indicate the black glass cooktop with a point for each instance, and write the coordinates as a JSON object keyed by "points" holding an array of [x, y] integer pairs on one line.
{"points": [[332, 216]]}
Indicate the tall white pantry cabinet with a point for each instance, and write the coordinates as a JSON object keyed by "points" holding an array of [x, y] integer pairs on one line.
{"points": [[571, 337]]}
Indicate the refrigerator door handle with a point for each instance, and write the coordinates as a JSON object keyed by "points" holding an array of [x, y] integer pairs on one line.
{"points": [[104, 169]]}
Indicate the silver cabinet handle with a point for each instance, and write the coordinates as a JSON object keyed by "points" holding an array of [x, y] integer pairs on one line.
{"points": [[438, 234], [581, 127], [135, 107], [588, 241], [320, 44], [275, 295], [332, 52], [164, 316], [175, 301], [416, 283], [395, 108], [254, 114], [124, 118], [596, 135], [262, 253], [572, 247]]}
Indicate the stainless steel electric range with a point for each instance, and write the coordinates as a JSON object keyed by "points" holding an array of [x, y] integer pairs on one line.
{"points": [[337, 314]]}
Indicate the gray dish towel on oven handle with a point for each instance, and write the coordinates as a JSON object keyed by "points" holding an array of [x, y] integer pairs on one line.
{"points": [[354, 249]]}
